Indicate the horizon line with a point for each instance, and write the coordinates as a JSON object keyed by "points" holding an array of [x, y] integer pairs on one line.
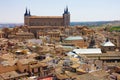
{"points": [[70, 21]]}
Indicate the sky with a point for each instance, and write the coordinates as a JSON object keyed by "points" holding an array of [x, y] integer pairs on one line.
{"points": [[12, 11]]}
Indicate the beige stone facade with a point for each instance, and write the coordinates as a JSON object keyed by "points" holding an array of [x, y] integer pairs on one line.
{"points": [[84, 30], [53, 35], [29, 66], [2, 34], [77, 41], [44, 21], [21, 35]]}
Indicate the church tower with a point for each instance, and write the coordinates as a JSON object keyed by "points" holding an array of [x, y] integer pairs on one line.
{"points": [[66, 17], [92, 43]]}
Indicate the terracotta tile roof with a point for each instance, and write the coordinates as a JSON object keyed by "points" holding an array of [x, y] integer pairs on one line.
{"points": [[47, 59], [9, 63], [99, 73], [26, 61], [71, 74], [80, 70], [75, 65], [61, 76], [11, 75], [24, 33], [40, 64]]}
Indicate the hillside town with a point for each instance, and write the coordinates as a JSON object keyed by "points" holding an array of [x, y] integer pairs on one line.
{"points": [[48, 48]]}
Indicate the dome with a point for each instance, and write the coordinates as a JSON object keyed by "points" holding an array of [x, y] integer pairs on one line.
{"points": [[108, 43]]}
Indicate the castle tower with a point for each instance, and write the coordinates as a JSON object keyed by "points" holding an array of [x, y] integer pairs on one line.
{"points": [[66, 17], [29, 13], [26, 17], [26, 12]]}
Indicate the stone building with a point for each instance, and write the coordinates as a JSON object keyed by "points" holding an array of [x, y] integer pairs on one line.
{"points": [[77, 41], [21, 35], [36, 30], [84, 30], [2, 34], [14, 69], [31, 20], [108, 46], [51, 35]]}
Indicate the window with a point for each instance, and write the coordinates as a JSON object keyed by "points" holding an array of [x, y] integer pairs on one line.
{"points": [[32, 70], [39, 69], [15, 64], [25, 70]]}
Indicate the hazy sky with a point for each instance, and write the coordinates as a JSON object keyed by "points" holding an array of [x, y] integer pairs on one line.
{"points": [[12, 11]]}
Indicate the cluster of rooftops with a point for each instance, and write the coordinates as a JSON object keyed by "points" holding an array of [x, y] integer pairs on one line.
{"points": [[88, 50]]}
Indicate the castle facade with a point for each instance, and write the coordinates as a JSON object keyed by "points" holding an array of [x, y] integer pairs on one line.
{"points": [[31, 20]]}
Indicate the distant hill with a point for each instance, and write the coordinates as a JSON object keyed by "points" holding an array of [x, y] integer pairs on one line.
{"points": [[97, 23], [10, 25], [114, 23]]}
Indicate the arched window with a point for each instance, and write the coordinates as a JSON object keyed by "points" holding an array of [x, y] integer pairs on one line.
{"points": [[25, 70]]}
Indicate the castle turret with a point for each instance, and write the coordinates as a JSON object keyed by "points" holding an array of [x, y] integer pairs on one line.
{"points": [[26, 17], [67, 10], [26, 12], [66, 17], [29, 13]]}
